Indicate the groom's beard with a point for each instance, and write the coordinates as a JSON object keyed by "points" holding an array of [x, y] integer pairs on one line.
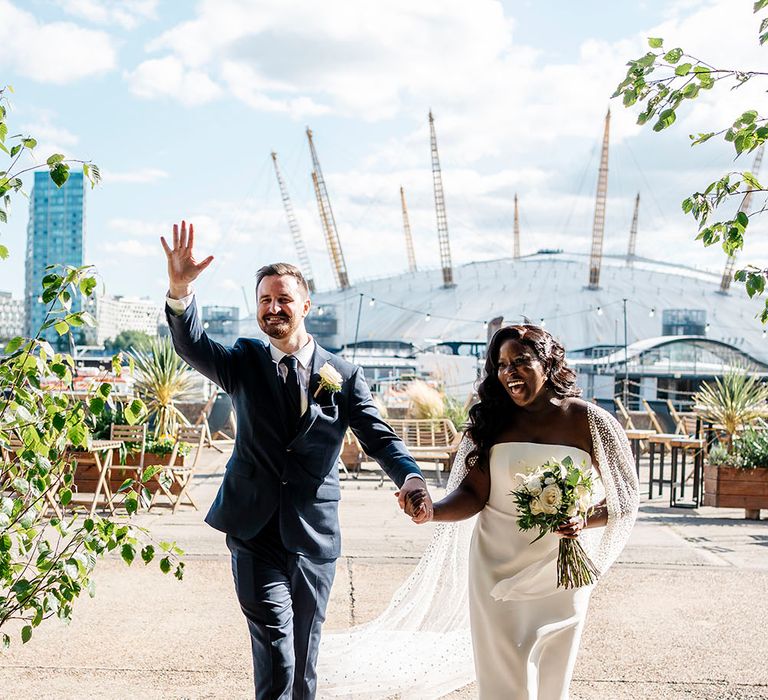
{"points": [[276, 325]]}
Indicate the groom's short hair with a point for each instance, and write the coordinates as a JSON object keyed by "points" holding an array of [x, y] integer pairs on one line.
{"points": [[278, 270]]}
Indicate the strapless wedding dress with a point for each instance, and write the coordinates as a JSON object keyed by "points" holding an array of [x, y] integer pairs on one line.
{"points": [[525, 630]]}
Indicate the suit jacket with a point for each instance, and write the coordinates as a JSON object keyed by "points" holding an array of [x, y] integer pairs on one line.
{"points": [[272, 468]]}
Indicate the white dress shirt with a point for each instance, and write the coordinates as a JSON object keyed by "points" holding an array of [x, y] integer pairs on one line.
{"points": [[303, 356]]}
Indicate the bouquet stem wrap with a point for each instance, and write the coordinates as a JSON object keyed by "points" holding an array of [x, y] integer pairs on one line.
{"points": [[574, 567]]}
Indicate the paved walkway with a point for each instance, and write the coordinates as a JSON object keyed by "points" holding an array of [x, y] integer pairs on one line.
{"points": [[683, 614]]}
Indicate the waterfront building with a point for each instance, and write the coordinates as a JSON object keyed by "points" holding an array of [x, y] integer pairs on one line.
{"points": [[115, 314]]}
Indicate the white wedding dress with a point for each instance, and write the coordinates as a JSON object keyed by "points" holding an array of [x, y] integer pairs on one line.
{"points": [[525, 630]]}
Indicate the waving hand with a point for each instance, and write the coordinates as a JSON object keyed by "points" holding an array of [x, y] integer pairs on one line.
{"points": [[182, 267]]}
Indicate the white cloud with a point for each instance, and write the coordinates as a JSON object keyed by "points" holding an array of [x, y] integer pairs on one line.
{"points": [[131, 247], [168, 77], [54, 52], [50, 137], [140, 176], [127, 14], [139, 227]]}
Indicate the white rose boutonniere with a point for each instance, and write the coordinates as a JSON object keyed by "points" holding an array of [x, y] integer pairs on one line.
{"points": [[330, 379]]}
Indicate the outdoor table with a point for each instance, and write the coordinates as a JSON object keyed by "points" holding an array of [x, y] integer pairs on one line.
{"points": [[679, 445], [634, 437], [101, 453]]}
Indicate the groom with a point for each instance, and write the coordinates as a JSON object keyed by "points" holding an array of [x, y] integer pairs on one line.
{"points": [[278, 502]]}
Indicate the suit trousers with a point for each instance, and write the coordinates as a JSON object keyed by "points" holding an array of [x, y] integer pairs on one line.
{"points": [[283, 597]]}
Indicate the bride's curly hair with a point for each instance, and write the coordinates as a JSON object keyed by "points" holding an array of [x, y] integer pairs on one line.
{"points": [[489, 416]]}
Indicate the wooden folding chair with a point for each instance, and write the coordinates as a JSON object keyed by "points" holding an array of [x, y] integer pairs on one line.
{"points": [[202, 419], [130, 434], [181, 474]]}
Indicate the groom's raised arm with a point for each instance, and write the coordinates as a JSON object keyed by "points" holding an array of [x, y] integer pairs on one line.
{"points": [[190, 340]]}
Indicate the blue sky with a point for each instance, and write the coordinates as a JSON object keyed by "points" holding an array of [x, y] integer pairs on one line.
{"points": [[181, 103]]}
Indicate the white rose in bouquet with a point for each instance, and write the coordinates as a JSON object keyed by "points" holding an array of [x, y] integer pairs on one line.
{"points": [[536, 507], [551, 498], [533, 485]]}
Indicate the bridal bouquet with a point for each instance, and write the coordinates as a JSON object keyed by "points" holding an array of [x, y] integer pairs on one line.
{"points": [[546, 498]]}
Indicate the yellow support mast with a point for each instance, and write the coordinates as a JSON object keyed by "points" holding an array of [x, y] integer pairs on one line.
{"points": [[408, 238], [598, 226], [328, 220], [442, 220], [293, 225]]}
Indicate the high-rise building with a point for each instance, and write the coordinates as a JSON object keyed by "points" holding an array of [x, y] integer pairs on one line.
{"points": [[55, 235], [11, 317]]}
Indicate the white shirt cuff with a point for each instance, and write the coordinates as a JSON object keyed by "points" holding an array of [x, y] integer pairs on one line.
{"points": [[179, 306], [414, 476]]}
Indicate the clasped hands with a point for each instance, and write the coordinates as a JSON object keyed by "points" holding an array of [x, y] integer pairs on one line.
{"points": [[414, 499]]}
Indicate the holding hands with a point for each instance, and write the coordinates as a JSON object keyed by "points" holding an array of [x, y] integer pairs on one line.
{"points": [[414, 499]]}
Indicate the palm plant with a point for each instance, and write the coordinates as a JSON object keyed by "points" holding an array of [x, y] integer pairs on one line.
{"points": [[735, 401], [162, 379]]}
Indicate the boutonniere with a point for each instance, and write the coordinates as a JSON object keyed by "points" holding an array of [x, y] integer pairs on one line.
{"points": [[330, 379]]}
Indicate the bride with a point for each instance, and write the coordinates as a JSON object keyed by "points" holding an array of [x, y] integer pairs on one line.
{"points": [[524, 631]]}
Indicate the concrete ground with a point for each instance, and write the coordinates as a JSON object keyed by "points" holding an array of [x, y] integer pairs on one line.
{"points": [[683, 614]]}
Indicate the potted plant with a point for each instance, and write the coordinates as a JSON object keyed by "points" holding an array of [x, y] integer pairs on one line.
{"points": [[162, 378], [739, 479], [733, 477]]}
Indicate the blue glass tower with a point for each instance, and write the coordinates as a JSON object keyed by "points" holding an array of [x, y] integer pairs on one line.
{"points": [[55, 235]]}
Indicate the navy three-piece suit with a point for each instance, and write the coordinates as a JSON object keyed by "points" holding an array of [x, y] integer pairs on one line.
{"points": [[278, 502]]}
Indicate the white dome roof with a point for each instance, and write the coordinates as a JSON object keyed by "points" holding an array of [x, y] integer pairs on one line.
{"points": [[549, 286]]}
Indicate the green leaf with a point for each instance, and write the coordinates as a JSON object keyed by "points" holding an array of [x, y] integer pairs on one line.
{"points": [[29, 143], [127, 484], [666, 118], [3, 251], [759, 5], [87, 285], [96, 405], [134, 411], [60, 174], [61, 327], [13, 345], [742, 219], [128, 553], [104, 390], [6, 641], [748, 117], [683, 69], [54, 159], [131, 503], [165, 565], [673, 56], [751, 180], [148, 553], [690, 91], [655, 42], [26, 633], [702, 138], [149, 472]]}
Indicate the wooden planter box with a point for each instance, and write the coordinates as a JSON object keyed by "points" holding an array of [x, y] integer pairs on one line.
{"points": [[132, 458], [86, 475], [729, 487]]}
